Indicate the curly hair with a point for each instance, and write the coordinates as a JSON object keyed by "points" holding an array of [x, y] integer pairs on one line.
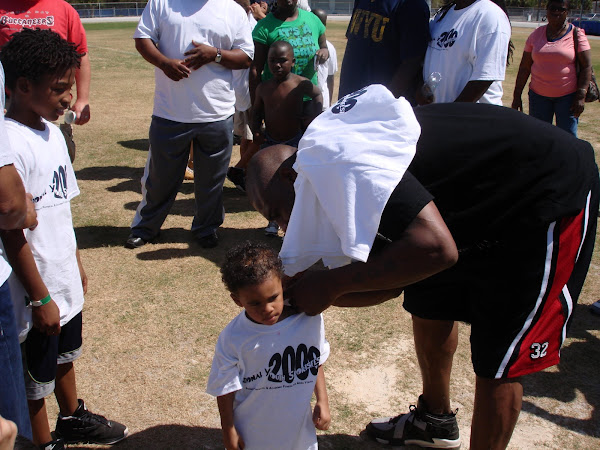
{"points": [[249, 264], [34, 54]]}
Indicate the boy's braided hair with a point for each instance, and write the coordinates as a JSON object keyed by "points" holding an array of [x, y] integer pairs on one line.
{"points": [[249, 264], [34, 54]]}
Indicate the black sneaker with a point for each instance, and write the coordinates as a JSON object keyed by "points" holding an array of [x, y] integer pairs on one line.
{"points": [[238, 177], [88, 428], [57, 444], [417, 427]]}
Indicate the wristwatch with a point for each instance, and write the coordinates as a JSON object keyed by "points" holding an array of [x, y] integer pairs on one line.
{"points": [[219, 56]]}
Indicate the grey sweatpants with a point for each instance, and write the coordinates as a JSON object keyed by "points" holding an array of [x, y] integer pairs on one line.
{"points": [[167, 159]]}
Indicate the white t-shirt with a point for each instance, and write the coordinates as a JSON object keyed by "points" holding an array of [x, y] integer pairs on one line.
{"points": [[325, 70], [272, 370], [207, 94], [466, 45], [43, 162], [7, 157], [241, 85]]}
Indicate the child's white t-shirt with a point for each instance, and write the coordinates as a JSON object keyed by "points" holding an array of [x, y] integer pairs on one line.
{"points": [[42, 161], [272, 370], [466, 45]]}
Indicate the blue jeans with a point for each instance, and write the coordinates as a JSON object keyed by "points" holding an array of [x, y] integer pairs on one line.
{"points": [[13, 403], [545, 108]]}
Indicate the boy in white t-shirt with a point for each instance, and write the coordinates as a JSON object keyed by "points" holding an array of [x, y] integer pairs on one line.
{"points": [[268, 360], [48, 282]]}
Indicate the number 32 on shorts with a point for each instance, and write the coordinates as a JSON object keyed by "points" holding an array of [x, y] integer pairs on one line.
{"points": [[538, 350]]}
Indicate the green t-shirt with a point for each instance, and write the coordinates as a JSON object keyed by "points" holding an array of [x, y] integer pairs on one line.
{"points": [[302, 34]]}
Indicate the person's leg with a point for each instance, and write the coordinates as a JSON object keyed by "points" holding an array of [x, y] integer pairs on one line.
{"points": [[212, 152], [495, 413], [564, 118], [163, 175], [13, 401], [435, 344], [540, 107], [66, 389], [39, 421]]}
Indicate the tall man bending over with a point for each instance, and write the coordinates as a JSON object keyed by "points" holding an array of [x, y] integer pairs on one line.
{"points": [[194, 46], [493, 224]]}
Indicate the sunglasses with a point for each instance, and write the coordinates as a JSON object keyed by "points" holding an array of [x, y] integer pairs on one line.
{"points": [[557, 9]]}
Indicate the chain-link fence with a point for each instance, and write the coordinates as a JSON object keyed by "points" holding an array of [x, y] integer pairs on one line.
{"points": [[333, 7]]}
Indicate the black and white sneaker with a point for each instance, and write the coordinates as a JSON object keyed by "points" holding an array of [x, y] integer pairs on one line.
{"points": [[417, 427], [57, 444], [88, 428]]}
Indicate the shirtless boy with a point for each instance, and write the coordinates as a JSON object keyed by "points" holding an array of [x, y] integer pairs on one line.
{"points": [[280, 100]]}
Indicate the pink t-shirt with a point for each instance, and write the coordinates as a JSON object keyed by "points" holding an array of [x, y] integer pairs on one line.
{"points": [[553, 71], [56, 15]]}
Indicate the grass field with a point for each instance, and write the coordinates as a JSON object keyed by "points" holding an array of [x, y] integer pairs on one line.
{"points": [[152, 315]]}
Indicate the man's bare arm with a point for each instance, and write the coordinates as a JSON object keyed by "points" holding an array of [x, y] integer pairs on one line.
{"points": [[173, 68], [426, 248]]}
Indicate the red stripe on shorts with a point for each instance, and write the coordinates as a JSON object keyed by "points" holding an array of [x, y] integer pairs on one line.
{"points": [[540, 346]]}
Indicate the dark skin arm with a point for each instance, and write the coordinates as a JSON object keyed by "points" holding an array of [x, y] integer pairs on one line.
{"points": [[257, 116], [330, 88], [522, 77], [473, 91], [175, 69], [46, 318], [16, 208], [315, 106], [231, 439], [403, 78], [257, 67], [426, 248], [322, 53], [583, 82]]}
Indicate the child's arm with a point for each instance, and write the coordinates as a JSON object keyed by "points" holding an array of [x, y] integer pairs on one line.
{"points": [[46, 318], [84, 278], [231, 438], [330, 88], [257, 115], [315, 106], [321, 413]]}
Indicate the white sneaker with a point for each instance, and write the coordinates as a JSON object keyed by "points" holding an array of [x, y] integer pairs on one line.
{"points": [[272, 229]]}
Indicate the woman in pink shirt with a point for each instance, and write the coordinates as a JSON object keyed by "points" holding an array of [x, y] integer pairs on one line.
{"points": [[549, 56]]}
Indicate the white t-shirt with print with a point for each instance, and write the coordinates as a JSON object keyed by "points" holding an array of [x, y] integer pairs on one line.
{"points": [[43, 162], [466, 45], [272, 370], [207, 94], [325, 70], [7, 157]]}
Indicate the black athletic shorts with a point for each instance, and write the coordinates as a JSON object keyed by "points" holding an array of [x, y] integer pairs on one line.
{"points": [[518, 294], [42, 354]]}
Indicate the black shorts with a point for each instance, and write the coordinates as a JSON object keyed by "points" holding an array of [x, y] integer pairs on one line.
{"points": [[42, 354], [517, 294]]}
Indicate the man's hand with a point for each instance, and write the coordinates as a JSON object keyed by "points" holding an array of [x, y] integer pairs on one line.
{"points": [[311, 293], [322, 55], [517, 104], [200, 55], [175, 69], [82, 109], [321, 416], [46, 318], [232, 440]]}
